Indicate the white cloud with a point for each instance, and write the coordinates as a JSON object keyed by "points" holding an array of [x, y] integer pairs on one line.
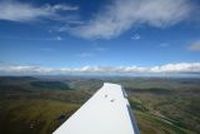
{"points": [[195, 46], [58, 38], [63, 7], [177, 68], [168, 69], [136, 37], [23, 12], [109, 22], [125, 14]]}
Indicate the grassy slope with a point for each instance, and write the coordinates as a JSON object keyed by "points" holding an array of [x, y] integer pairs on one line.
{"points": [[162, 106], [34, 106], [33, 116], [167, 110]]}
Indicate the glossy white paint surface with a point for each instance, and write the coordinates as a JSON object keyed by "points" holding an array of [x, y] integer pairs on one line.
{"points": [[106, 112]]}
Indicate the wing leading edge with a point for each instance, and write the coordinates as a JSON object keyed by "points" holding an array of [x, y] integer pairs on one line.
{"points": [[106, 112]]}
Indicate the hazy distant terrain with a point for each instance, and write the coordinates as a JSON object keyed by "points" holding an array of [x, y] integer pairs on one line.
{"points": [[38, 105]]}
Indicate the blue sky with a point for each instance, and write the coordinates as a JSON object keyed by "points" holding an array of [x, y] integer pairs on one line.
{"points": [[128, 36]]}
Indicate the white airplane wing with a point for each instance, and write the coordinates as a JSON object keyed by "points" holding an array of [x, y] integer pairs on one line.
{"points": [[106, 112]]}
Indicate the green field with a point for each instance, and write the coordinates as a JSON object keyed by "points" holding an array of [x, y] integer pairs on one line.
{"points": [[38, 105]]}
